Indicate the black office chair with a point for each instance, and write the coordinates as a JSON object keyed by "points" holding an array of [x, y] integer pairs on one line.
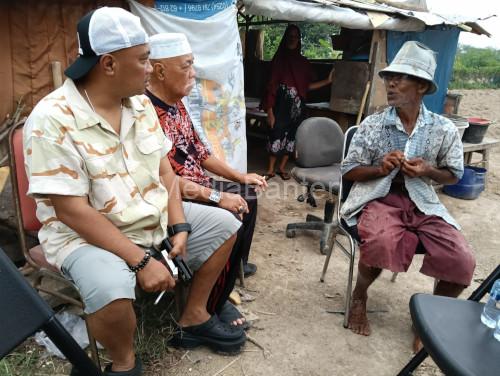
{"points": [[24, 312], [453, 335], [319, 153]]}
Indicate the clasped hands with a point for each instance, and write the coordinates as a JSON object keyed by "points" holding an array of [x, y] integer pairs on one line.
{"points": [[413, 168]]}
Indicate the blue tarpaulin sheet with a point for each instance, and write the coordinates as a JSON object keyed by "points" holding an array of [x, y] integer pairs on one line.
{"points": [[444, 42], [192, 9]]}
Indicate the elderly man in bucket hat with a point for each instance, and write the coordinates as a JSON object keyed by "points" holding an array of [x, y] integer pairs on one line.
{"points": [[107, 197], [392, 160]]}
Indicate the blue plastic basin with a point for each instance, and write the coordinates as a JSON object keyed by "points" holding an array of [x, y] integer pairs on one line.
{"points": [[470, 186]]}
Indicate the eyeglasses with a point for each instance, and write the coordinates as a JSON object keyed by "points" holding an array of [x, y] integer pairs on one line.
{"points": [[394, 77]]}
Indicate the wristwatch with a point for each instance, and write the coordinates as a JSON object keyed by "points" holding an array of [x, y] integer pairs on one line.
{"points": [[215, 196], [179, 227]]}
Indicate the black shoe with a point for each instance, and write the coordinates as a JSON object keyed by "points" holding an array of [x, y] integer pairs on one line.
{"points": [[219, 336], [249, 269], [136, 371]]}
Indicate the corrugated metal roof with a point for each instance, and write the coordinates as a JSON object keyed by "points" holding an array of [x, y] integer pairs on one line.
{"points": [[358, 14]]}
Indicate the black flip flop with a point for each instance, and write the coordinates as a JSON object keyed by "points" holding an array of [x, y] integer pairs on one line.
{"points": [[230, 313], [219, 336], [269, 176], [284, 175]]}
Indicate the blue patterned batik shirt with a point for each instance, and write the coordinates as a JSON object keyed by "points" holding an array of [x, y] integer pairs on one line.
{"points": [[434, 138]]}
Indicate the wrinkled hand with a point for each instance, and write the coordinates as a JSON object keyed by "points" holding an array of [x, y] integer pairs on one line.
{"points": [[233, 202], [391, 161], [415, 167], [270, 119], [179, 245], [255, 179], [155, 277], [331, 75]]}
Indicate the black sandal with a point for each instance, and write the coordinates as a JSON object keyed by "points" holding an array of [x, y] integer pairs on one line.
{"points": [[284, 175], [269, 176], [136, 371]]}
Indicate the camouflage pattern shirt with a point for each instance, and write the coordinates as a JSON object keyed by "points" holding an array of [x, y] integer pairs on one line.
{"points": [[71, 150]]}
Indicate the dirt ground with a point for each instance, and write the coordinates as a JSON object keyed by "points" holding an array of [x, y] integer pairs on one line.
{"points": [[295, 330], [299, 335]]}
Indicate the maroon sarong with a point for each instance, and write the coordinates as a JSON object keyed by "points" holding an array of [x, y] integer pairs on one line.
{"points": [[390, 229]]}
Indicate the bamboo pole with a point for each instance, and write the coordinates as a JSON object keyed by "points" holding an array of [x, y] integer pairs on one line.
{"points": [[363, 102]]}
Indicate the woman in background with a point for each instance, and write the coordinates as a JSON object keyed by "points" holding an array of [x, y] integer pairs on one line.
{"points": [[284, 101]]}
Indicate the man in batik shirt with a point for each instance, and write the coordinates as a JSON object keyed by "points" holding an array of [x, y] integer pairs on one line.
{"points": [[172, 79]]}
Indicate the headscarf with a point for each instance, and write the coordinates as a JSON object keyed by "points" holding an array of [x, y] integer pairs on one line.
{"points": [[288, 67]]}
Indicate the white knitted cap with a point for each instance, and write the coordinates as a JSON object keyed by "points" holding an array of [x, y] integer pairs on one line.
{"points": [[165, 45]]}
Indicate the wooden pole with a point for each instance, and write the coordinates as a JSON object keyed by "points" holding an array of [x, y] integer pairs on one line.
{"points": [[56, 74], [363, 102]]}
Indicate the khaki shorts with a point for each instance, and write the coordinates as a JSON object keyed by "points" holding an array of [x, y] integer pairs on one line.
{"points": [[102, 277]]}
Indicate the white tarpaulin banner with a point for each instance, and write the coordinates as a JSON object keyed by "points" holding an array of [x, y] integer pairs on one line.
{"points": [[217, 102]]}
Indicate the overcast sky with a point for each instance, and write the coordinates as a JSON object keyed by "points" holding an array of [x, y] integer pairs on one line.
{"points": [[474, 8]]}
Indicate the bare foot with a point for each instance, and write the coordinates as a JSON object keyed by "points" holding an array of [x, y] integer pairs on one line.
{"points": [[358, 321]]}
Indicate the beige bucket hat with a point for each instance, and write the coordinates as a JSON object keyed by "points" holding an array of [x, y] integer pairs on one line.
{"points": [[414, 59]]}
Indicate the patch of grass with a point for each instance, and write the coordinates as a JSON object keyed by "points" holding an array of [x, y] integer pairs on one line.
{"points": [[155, 326], [29, 360]]}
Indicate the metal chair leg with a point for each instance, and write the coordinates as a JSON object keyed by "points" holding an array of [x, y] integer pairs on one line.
{"points": [[414, 363], [242, 274], [94, 352], [349, 282], [394, 276], [327, 260], [68, 346], [325, 237]]}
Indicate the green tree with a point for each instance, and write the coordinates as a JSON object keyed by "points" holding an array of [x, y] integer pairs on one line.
{"points": [[316, 42], [476, 68]]}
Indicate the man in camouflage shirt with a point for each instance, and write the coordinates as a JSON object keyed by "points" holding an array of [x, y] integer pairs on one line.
{"points": [[96, 159]]}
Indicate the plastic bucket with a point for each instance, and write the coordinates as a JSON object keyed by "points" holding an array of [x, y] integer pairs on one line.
{"points": [[480, 174], [460, 122], [470, 186], [474, 134], [451, 103]]}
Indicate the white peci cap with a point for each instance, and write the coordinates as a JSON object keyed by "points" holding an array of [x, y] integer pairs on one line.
{"points": [[165, 45]]}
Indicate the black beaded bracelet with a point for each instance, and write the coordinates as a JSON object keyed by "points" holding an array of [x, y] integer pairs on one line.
{"points": [[142, 264]]}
